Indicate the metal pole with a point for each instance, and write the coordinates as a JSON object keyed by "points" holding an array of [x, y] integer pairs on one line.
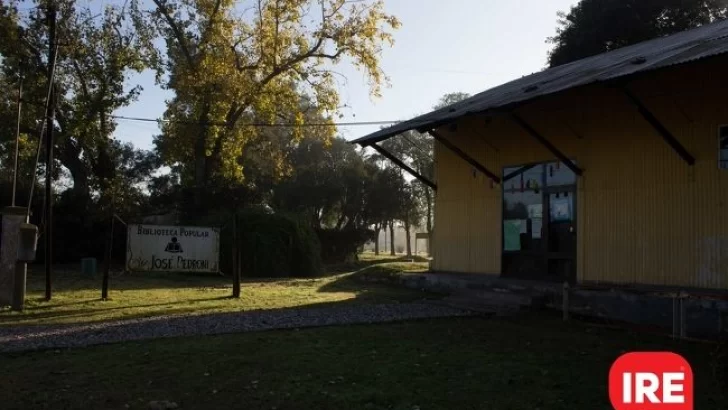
{"points": [[17, 140], [236, 258], [48, 228], [107, 262]]}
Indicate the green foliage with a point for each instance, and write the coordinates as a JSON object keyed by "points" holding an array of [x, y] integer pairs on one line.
{"points": [[383, 194], [416, 200], [327, 184], [595, 26], [450, 98], [228, 69], [98, 53], [275, 245], [342, 246]]}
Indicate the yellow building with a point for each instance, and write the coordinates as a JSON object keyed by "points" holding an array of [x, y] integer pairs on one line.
{"points": [[609, 170]]}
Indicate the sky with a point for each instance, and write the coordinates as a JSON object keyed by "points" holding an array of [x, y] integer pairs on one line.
{"points": [[442, 47]]}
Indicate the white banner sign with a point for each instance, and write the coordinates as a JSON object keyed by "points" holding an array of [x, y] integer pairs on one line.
{"points": [[173, 248]]}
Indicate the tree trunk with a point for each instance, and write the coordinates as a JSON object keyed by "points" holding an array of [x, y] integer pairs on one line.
{"points": [[70, 157], [408, 236], [200, 154], [391, 239], [376, 240]]}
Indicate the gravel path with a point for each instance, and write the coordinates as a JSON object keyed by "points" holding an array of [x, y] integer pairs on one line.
{"points": [[23, 338]]}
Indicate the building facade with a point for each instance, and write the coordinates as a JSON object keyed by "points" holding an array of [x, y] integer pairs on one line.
{"points": [[611, 170], [639, 213]]}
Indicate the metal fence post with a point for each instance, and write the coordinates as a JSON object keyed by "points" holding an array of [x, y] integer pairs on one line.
{"points": [[107, 262], [236, 258]]}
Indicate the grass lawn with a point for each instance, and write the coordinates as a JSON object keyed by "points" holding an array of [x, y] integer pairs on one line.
{"points": [[77, 299], [527, 362]]}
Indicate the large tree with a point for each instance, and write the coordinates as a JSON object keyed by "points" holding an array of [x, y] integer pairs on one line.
{"points": [[95, 55], [595, 26], [327, 184], [382, 203], [230, 66]]}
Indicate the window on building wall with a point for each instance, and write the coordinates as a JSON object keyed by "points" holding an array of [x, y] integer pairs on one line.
{"points": [[522, 207], [559, 174], [723, 141]]}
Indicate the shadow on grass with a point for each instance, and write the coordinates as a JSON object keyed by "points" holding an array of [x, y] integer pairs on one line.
{"points": [[379, 282], [366, 262], [65, 281], [84, 307], [164, 309]]}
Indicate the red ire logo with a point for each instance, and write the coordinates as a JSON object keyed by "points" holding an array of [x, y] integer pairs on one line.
{"points": [[651, 381]]}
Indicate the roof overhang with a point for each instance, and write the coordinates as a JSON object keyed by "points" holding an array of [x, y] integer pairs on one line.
{"points": [[682, 48]]}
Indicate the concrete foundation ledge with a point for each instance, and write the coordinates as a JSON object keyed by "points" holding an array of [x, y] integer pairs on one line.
{"points": [[704, 316]]}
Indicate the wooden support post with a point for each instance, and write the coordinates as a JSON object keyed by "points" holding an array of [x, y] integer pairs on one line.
{"points": [[236, 258], [107, 259]]}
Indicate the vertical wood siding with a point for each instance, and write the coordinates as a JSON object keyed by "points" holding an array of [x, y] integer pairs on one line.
{"points": [[644, 215]]}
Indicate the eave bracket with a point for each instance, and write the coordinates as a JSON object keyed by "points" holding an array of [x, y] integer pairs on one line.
{"points": [[460, 153], [549, 146], [666, 135], [402, 165]]}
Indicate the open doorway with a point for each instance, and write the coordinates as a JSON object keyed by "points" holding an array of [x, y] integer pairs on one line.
{"points": [[539, 222]]}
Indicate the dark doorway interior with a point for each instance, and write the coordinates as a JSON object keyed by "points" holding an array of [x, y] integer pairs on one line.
{"points": [[539, 222]]}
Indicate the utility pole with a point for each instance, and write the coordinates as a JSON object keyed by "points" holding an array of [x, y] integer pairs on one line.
{"points": [[50, 125], [17, 136]]}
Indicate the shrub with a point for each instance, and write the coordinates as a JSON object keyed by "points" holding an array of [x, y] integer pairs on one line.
{"points": [[342, 246], [276, 245]]}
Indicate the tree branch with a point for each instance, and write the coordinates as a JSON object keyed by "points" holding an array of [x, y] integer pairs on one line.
{"points": [[275, 73], [179, 35]]}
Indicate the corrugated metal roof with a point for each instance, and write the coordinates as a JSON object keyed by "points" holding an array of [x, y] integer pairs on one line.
{"points": [[706, 41]]}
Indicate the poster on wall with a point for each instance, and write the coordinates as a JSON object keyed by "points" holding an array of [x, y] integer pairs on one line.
{"points": [[512, 234], [535, 211], [561, 209], [155, 248]]}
